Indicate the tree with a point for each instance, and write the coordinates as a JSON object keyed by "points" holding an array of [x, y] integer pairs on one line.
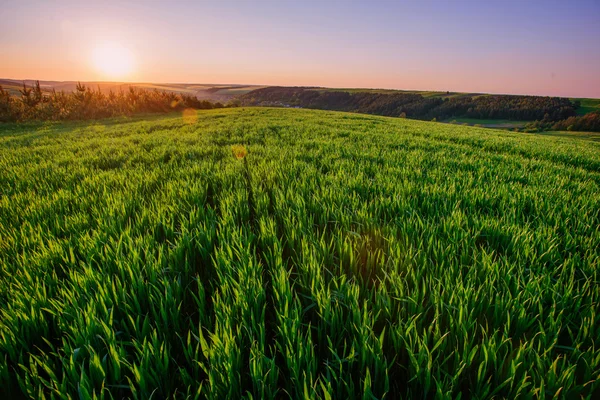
{"points": [[27, 96]]}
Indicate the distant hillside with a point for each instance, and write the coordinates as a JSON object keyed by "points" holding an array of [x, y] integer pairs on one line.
{"points": [[532, 113], [213, 92], [418, 105]]}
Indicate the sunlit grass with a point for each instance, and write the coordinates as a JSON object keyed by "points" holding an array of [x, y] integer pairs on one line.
{"points": [[272, 253]]}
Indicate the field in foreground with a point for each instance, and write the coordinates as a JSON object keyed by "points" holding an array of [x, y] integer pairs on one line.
{"points": [[293, 253]]}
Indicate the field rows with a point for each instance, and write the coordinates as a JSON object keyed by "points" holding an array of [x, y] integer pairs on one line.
{"points": [[273, 253]]}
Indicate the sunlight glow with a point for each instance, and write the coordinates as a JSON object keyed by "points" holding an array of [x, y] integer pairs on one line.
{"points": [[113, 60]]}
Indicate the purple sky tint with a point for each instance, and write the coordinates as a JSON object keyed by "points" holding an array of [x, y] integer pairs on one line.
{"points": [[524, 47]]}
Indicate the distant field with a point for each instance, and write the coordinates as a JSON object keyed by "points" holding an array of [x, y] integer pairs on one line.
{"points": [[267, 253], [168, 88], [588, 105], [391, 91], [594, 136], [239, 90], [489, 123], [11, 87]]}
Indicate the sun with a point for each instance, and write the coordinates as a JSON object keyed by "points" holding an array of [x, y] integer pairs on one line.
{"points": [[113, 60]]}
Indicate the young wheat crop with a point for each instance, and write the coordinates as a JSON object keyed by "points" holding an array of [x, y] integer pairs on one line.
{"points": [[273, 253]]}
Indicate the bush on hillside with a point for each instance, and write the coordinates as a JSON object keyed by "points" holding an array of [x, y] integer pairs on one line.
{"points": [[86, 103], [584, 123]]}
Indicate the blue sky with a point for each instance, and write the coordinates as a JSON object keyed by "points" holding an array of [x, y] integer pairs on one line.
{"points": [[526, 47]]}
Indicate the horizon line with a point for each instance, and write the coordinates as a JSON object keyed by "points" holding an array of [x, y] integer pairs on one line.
{"points": [[298, 86]]}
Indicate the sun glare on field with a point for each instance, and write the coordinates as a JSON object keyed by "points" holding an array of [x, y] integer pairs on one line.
{"points": [[113, 60]]}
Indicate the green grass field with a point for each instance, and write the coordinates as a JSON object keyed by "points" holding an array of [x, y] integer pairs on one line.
{"points": [[593, 136], [588, 105], [280, 253]]}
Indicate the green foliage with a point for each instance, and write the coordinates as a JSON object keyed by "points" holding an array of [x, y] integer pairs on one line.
{"points": [[418, 105], [589, 122], [273, 253], [85, 103]]}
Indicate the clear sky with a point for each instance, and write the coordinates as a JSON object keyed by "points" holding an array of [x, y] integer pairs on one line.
{"points": [[525, 47]]}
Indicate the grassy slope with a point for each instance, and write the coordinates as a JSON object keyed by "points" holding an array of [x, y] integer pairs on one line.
{"points": [[489, 123], [424, 93], [346, 254], [588, 105], [593, 136]]}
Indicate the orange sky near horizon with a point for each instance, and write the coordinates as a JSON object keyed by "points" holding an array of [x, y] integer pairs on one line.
{"points": [[278, 43]]}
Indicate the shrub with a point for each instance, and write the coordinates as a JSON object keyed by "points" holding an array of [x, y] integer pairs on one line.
{"points": [[86, 103]]}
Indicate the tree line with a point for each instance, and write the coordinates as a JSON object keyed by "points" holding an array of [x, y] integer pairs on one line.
{"points": [[414, 105], [87, 103], [585, 123]]}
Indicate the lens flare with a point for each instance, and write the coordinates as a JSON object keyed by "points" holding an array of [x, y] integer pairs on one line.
{"points": [[190, 116], [239, 151]]}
